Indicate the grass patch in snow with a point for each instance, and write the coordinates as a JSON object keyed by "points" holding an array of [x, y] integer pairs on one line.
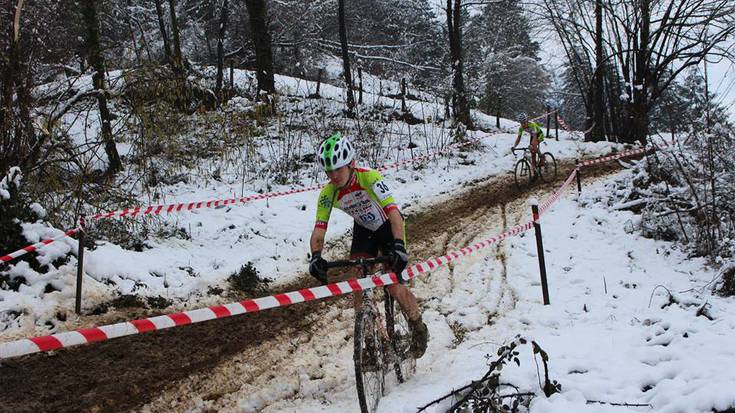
{"points": [[248, 280]]}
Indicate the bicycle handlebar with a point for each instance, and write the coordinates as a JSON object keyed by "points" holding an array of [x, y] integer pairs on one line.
{"points": [[384, 259], [519, 149]]}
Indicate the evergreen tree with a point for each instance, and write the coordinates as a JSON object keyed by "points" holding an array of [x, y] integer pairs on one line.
{"points": [[502, 61]]}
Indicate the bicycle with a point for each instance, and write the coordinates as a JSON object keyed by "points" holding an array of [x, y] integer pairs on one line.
{"points": [[382, 342], [545, 168]]}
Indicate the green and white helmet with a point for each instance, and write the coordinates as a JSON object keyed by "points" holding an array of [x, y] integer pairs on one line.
{"points": [[335, 152]]}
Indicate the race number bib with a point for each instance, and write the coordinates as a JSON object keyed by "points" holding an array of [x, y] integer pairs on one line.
{"points": [[381, 190]]}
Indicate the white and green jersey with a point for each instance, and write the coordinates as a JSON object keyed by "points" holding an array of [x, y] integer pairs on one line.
{"points": [[366, 198], [533, 129]]}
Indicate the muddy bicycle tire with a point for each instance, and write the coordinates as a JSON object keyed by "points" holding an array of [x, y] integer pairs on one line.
{"points": [[548, 171], [369, 378], [522, 173]]}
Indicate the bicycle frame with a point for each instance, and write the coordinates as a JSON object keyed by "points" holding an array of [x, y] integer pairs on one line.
{"points": [[371, 325], [365, 264]]}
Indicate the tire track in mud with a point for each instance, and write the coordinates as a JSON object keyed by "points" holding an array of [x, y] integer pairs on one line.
{"points": [[164, 366], [503, 259]]}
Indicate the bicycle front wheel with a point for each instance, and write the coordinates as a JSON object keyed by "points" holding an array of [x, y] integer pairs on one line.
{"points": [[369, 361], [522, 174], [548, 169]]}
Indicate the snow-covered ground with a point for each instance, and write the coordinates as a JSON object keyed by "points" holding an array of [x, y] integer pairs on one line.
{"points": [[609, 334], [613, 342], [272, 234]]}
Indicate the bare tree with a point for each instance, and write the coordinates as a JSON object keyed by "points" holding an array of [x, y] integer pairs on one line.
{"points": [[345, 57], [262, 39], [646, 43], [459, 96], [598, 127], [96, 60], [221, 48], [164, 34], [11, 68], [178, 60]]}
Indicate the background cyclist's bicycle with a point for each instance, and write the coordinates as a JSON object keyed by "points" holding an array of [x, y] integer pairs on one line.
{"points": [[545, 168]]}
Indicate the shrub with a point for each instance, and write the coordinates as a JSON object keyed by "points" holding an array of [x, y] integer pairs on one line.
{"points": [[248, 280]]}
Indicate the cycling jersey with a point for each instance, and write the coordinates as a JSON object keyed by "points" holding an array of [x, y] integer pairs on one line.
{"points": [[366, 198], [533, 129]]}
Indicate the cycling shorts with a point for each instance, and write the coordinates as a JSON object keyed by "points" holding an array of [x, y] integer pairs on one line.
{"points": [[370, 243]]}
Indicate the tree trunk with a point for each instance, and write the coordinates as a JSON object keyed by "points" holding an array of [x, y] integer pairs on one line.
{"points": [[640, 106], [133, 41], [262, 40], [598, 131], [164, 34], [178, 61], [497, 113], [11, 148], [94, 55], [454, 24], [345, 56], [221, 50]]}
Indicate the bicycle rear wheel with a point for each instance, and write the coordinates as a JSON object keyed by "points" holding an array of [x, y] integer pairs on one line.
{"points": [[522, 174], [369, 361], [548, 170], [404, 365]]}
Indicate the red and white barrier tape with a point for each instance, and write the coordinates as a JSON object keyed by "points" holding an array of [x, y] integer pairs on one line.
{"points": [[542, 116], [623, 154], [84, 336], [171, 208], [159, 209], [555, 196], [564, 124], [188, 206], [89, 335], [36, 246]]}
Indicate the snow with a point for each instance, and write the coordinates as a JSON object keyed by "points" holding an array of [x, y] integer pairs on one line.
{"points": [[272, 234], [609, 335], [604, 340], [13, 176], [38, 210], [608, 332]]}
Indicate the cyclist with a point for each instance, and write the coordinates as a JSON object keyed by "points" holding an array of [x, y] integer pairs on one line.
{"points": [[537, 136], [363, 194]]}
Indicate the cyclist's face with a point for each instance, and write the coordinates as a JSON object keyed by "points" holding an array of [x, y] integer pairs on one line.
{"points": [[339, 176]]}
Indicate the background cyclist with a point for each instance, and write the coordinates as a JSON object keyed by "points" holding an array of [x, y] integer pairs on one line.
{"points": [[363, 194], [537, 136]]}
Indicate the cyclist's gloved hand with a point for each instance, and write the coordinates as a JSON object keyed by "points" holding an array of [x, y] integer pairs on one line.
{"points": [[318, 267], [399, 258]]}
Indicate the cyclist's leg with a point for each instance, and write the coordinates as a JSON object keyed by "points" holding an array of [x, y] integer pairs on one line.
{"points": [[409, 305], [382, 242], [539, 154], [533, 148], [406, 300]]}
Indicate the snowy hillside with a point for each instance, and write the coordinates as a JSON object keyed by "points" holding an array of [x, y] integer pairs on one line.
{"points": [[627, 314], [199, 250]]}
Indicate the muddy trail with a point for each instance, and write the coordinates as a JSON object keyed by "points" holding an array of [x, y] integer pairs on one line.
{"points": [[126, 373]]}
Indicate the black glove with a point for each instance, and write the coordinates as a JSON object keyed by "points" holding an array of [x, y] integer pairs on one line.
{"points": [[318, 267], [399, 258]]}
